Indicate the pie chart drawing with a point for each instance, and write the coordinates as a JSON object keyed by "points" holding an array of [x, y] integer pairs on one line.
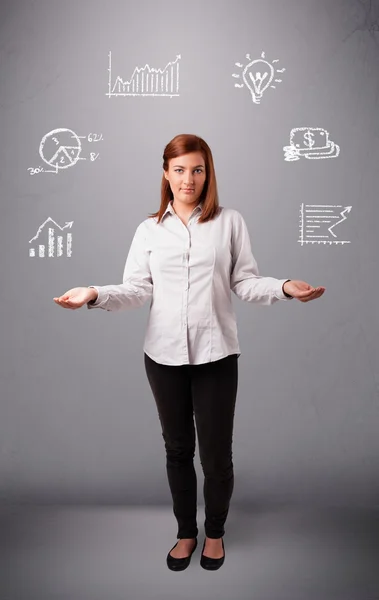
{"points": [[60, 148]]}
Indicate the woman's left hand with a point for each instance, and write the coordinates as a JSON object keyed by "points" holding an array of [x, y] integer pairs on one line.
{"points": [[302, 290]]}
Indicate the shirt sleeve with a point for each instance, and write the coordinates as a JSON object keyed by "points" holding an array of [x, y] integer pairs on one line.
{"points": [[137, 285], [245, 280]]}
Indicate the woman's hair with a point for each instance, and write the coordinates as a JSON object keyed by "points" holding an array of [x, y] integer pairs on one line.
{"points": [[183, 144]]}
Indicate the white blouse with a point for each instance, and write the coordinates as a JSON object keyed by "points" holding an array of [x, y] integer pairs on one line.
{"points": [[188, 272]]}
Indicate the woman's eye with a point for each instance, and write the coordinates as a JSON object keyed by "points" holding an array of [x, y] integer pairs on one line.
{"points": [[198, 170]]}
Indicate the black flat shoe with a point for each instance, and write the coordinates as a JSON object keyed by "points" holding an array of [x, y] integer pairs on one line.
{"points": [[179, 564], [212, 564]]}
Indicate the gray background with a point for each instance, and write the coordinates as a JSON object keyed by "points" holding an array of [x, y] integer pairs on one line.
{"points": [[78, 420]]}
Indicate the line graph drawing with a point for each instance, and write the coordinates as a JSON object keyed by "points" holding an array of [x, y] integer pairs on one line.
{"points": [[53, 245], [255, 80], [61, 149], [310, 142], [317, 217], [146, 81]]}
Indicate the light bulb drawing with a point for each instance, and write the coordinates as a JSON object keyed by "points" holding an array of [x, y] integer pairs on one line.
{"points": [[258, 75]]}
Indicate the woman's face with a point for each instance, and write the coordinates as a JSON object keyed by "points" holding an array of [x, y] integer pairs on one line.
{"points": [[186, 175]]}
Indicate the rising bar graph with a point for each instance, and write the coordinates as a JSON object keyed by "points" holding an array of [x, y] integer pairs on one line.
{"points": [[55, 245], [146, 81]]}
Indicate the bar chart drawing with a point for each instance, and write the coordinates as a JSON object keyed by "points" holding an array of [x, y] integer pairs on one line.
{"points": [[56, 246], [146, 81], [314, 223]]}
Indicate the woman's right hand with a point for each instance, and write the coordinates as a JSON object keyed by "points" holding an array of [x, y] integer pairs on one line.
{"points": [[76, 297]]}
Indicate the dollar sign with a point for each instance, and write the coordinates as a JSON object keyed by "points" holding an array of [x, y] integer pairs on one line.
{"points": [[308, 137]]}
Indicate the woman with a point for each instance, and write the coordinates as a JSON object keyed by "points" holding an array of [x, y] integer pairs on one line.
{"points": [[186, 258]]}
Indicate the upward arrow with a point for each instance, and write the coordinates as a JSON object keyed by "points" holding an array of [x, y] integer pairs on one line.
{"points": [[68, 224]]}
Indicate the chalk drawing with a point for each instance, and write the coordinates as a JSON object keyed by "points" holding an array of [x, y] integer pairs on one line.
{"points": [[310, 142], [257, 75], [314, 223], [55, 246], [61, 149], [146, 81]]}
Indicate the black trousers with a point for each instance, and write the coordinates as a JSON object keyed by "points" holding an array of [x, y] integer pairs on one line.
{"points": [[209, 392]]}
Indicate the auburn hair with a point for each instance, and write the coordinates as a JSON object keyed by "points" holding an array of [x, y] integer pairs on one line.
{"points": [[183, 144]]}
